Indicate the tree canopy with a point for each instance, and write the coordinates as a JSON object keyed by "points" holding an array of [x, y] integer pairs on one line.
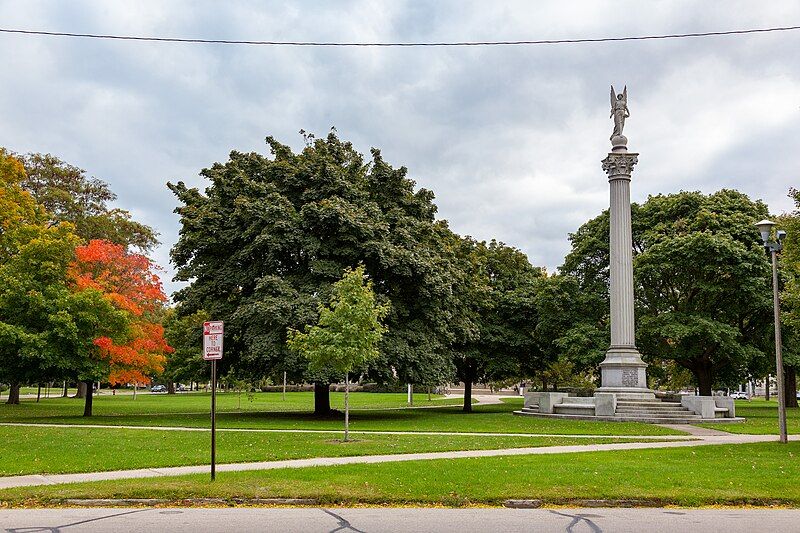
{"points": [[68, 195], [498, 314], [264, 243]]}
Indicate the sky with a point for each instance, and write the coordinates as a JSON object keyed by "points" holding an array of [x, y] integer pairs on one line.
{"points": [[510, 139]]}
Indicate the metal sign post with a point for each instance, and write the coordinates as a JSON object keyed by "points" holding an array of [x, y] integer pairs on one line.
{"points": [[212, 351]]}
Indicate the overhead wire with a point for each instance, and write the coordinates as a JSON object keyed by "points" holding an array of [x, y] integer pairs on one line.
{"points": [[187, 40]]}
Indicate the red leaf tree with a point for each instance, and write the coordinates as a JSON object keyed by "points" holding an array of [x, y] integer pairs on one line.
{"points": [[130, 283]]}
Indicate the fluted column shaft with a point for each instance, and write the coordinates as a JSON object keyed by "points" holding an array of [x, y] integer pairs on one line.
{"points": [[622, 319], [619, 165], [622, 371]]}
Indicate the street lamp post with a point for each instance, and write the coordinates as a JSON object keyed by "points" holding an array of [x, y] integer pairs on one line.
{"points": [[773, 247]]}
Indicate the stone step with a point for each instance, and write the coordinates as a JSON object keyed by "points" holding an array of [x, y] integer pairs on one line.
{"points": [[650, 414], [689, 419], [648, 403], [650, 406], [652, 409]]}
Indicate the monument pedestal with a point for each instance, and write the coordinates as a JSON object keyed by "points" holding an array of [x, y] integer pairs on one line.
{"points": [[623, 373]]}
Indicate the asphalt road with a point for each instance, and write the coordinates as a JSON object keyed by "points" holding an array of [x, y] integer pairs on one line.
{"points": [[368, 520]]}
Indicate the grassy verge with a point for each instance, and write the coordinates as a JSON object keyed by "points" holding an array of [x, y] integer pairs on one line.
{"points": [[762, 419], [28, 450], [267, 411], [758, 474]]}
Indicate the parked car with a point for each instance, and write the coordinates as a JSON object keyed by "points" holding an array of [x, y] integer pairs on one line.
{"points": [[181, 388], [158, 388], [740, 395]]}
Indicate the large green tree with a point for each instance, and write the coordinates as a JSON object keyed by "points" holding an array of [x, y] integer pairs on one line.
{"points": [[702, 281], [571, 330], [69, 195], [497, 312], [265, 241], [348, 332]]}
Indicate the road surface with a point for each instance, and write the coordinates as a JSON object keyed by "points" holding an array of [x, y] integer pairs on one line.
{"points": [[369, 520]]}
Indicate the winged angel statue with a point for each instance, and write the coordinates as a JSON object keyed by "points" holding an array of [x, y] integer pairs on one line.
{"points": [[619, 110]]}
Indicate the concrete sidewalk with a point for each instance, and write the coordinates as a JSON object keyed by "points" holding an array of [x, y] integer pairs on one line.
{"points": [[34, 480]]}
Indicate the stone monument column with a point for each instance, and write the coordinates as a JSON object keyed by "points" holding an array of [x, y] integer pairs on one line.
{"points": [[622, 371]]}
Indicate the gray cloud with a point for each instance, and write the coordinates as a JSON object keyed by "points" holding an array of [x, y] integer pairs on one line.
{"points": [[510, 139]]}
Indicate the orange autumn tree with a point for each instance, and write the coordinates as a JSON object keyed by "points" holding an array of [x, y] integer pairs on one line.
{"points": [[130, 283]]}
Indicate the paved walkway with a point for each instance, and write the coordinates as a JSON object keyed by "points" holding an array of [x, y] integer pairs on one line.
{"points": [[33, 480], [484, 399]]}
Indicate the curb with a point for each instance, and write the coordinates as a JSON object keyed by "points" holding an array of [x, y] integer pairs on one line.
{"points": [[535, 504], [152, 502]]}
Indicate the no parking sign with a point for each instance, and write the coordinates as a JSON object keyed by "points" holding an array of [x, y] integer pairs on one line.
{"points": [[212, 340]]}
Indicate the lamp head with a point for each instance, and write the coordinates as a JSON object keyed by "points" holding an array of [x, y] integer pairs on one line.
{"points": [[765, 227]]}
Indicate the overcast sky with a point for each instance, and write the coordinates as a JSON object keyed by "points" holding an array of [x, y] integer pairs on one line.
{"points": [[509, 138]]}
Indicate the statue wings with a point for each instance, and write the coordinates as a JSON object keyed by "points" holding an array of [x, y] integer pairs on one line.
{"points": [[614, 96]]}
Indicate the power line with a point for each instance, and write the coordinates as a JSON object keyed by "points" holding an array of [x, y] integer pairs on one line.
{"points": [[397, 44]]}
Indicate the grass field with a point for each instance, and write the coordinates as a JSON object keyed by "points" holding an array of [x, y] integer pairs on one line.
{"points": [[40, 450], [372, 411], [759, 474], [762, 418]]}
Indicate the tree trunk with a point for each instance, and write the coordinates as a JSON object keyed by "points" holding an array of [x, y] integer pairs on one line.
{"points": [[66, 389], [468, 395], [790, 385], [171, 387], [87, 408], [13, 394], [135, 385], [704, 380], [81, 393], [39, 393], [322, 398], [346, 407], [766, 388]]}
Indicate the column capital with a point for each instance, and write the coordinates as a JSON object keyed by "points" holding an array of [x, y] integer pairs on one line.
{"points": [[619, 165]]}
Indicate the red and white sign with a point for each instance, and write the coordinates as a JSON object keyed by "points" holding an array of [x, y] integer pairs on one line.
{"points": [[212, 340]]}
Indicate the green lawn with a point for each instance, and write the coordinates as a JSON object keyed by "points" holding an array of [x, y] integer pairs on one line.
{"points": [[107, 404], [29, 450], [759, 474], [54, 391], [762, 418], [268, 411]]}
